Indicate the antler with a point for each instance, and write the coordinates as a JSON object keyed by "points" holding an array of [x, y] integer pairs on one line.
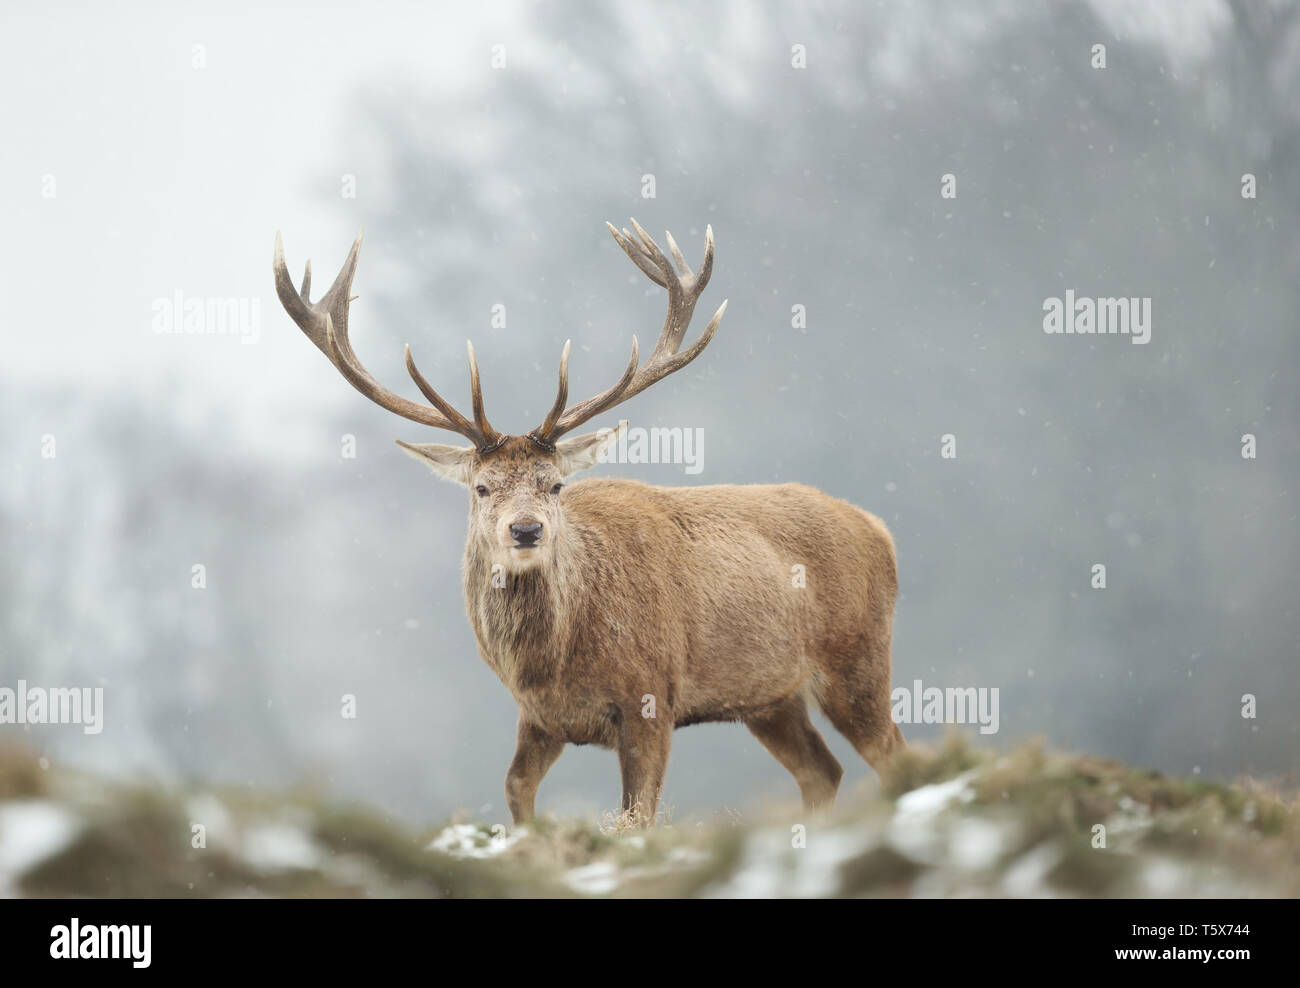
{"points": [[684, 289], [326, 324]]}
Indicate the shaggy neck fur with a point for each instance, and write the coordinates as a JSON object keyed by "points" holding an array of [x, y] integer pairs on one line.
{"points": [[523, 624]]}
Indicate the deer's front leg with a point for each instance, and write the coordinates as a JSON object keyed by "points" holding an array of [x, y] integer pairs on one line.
{"points": [[643, 745], [535, 752]]}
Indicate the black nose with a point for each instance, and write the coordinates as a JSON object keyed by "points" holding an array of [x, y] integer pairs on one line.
{"points": [[526, 534]]}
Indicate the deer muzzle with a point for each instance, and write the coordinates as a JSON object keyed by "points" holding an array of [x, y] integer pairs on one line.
{"points": [[527, 535]]}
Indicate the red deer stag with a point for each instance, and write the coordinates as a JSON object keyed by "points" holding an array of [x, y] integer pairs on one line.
{"points": [[614, 611]]}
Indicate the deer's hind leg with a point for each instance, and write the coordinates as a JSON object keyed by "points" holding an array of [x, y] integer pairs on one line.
{"points": [[853, 692], [786, 732]]}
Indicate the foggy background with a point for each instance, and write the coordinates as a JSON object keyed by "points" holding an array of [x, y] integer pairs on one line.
{"points": [[149, 152]]}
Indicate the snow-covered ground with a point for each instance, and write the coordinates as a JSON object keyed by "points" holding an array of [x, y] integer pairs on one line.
{"points": [[947, 822]]}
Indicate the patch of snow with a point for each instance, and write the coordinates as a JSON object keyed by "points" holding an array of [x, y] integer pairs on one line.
{"points": [[1164, 878], [598, 878], [976, 844], [1027, 877], [279, 847], [30, 832], [771, 868], [914, 831], [817, 866], [927, 801], [763, 870], [465, 840], [688, 857], [208, 811]]}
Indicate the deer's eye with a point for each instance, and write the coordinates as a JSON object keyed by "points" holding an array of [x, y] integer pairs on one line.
{"points": [[481, 491], [556, 489]]}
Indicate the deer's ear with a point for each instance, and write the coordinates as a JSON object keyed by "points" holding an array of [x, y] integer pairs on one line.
{"points": [[581, 452], [449, 462]]}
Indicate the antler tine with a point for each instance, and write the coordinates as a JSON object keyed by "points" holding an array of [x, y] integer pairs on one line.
{"points": [[706, 265], [684, 290], [325, 323], [561, 395], [294, 303], [683, 268], [490, 437], [638, 254], [593, 406], [463, 425]]}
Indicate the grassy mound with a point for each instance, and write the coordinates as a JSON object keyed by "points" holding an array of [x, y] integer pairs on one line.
{"points": [[948, 820]]}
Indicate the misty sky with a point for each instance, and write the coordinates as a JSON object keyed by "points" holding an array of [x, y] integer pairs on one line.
{"points": [[151, 151]]}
